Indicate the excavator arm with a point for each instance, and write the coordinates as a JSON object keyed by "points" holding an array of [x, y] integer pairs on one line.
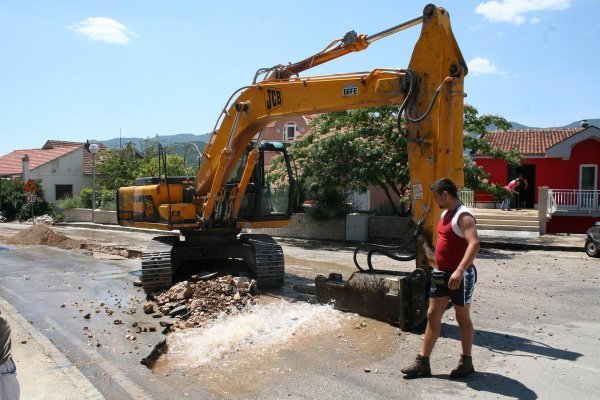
{"points": [[430, 92]]}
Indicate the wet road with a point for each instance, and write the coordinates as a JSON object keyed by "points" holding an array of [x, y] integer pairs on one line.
{"points": [[55, 289]]}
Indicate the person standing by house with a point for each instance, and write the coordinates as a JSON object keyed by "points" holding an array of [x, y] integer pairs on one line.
{"points": [[523, 190], [512, 188], [454, 279], [9, 385]]}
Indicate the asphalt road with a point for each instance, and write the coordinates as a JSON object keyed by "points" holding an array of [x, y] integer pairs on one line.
{"points": [[536, 314]]}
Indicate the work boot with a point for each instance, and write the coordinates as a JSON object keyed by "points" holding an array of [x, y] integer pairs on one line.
{"points": [[464, 367], [420, 367]]}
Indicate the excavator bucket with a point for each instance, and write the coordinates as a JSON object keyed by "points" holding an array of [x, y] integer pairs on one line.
{"points": [[398, 298], [395, 297]]}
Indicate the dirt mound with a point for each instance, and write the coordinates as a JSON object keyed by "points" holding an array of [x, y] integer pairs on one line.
{"points": [[195, 303], [42, 234]]}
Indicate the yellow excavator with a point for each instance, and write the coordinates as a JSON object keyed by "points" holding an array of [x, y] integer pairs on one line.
{"points": [[229, 192]]}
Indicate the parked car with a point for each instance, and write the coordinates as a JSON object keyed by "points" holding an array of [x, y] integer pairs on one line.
{"points": [[592, 241]]}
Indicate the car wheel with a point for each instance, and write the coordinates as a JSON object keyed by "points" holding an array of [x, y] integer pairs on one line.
{"points": [[591, 248]]}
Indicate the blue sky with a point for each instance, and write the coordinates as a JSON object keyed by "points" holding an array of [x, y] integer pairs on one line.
{"points": [[77, 70]]}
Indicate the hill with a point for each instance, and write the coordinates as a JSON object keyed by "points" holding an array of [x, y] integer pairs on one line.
{"points": [[165, 140], [174, 144], [577, 124]]}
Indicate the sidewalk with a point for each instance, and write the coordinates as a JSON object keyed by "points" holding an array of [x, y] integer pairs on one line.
{"points": [[44, 373], [531, 241]]}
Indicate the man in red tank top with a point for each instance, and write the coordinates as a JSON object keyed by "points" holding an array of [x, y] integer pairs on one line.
{"points": [[453, 280]]}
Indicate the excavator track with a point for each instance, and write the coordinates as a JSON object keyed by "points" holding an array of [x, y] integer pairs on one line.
{"points": [[270, 266], [157, 269]]}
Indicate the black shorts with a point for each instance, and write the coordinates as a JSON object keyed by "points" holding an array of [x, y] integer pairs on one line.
{"points": [[461, 296]]}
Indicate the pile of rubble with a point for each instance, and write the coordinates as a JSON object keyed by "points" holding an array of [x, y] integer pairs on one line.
{"points": [[42, 219], [196, 301]]}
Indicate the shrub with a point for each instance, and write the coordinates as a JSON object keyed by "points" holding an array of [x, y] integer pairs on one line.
{"points": [[70, 202], [86, 197], [329, 203], [108, 199], [40, 207]]}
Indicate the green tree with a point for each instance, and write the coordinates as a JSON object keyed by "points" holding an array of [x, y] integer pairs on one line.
{"points": [[13, 201], [118, 168], [351, 150], [175, 163]]}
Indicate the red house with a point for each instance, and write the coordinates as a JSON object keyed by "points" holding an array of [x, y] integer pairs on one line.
{"points": [[565, 160]]}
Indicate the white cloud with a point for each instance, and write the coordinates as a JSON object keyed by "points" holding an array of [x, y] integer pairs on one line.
{"points": [[535, 20], [513, 10], [104, 29], [480, 66]]}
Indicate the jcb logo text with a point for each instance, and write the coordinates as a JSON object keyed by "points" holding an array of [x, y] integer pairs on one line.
{"points": [[273, 99]]}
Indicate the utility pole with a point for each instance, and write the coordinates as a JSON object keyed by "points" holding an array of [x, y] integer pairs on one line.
{"points": [[94, 148]]}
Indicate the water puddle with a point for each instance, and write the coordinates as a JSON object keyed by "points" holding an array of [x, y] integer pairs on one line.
{"points": [[264, 328]]}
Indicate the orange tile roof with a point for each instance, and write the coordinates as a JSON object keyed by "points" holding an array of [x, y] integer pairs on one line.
{"points": [[530, 141], [11, 163], [60, 143], [87, 159]]}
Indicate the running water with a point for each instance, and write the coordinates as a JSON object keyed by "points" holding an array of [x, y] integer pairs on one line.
{"points": [[263, 327]]}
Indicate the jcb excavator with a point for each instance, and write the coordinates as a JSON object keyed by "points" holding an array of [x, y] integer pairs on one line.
{"points": [[229, 191]]}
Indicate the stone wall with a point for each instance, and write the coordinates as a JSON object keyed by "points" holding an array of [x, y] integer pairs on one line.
{"points": [[85, 215], [105, 217], [302, 226], [78, 215]]}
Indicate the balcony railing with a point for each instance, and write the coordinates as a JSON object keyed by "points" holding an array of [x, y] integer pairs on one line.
{"points": [[573, 200], [467, 197]]}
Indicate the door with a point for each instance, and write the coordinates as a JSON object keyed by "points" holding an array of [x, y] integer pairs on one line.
{"points": [[588, 177], [526, 190]]}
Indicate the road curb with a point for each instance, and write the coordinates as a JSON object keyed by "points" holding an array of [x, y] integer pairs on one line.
{"points": [[68, 371]]}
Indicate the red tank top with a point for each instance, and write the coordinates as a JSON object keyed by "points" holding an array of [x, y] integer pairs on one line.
{"points": [[451, 244]]}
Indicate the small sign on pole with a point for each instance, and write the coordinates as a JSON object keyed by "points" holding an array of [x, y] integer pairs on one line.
{"points": [[31, 198], [30, 186]]}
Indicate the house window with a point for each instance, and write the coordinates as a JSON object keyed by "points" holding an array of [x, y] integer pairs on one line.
{"points": [[63, 191], [289, 131]]}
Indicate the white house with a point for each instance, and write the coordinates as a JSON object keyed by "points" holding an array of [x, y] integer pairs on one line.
{"points": [[64, 168]]}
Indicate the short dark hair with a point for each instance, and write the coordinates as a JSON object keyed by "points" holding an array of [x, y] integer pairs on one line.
{"points": [[445, 185]]}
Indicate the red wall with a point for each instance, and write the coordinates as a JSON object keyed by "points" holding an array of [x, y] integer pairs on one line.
{"points": [[555, 173]]}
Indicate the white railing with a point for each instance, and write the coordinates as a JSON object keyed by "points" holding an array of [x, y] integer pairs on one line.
{"points": [[572, 199], [467, 197]]}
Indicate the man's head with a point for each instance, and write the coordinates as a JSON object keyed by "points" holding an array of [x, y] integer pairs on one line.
{"points": [[445, 193]]}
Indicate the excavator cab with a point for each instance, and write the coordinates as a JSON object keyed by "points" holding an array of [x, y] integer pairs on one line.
{"points": [[265, 200]]}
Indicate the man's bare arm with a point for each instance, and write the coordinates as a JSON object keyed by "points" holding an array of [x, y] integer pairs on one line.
{"points": [[469, 228]]}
